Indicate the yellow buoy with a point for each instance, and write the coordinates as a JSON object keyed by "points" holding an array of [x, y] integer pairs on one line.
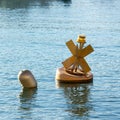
{"points": [[75, 68]]}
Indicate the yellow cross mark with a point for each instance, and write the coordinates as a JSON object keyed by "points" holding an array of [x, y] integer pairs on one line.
{"points": [[77, 58]]}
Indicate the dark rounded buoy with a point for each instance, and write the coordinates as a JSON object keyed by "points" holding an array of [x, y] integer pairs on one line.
{"points": [[27, 79]]}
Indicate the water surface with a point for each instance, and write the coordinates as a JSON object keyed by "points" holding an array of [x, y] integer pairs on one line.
{"points": [[33, 35]]}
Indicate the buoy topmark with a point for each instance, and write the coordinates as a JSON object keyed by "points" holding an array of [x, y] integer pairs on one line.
{"points": [[27, 79]]}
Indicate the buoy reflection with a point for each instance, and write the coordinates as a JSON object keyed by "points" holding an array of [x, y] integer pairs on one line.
{"points": [[78, 98], [27, 98]]}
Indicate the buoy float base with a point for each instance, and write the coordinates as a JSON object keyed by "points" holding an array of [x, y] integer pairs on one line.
{"points": [[65, 77]]}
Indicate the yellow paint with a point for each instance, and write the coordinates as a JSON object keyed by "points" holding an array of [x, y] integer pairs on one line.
{"points": [[68, 62], [78, 54], [85, 51], [81, 39], [84, 65], [71, 47]]}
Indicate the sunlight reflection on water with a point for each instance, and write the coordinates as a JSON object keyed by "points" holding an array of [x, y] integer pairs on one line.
{"points": [[33, 35]]}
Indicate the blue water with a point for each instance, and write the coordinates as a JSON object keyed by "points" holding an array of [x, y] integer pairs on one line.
{"points": [[33, 35]]}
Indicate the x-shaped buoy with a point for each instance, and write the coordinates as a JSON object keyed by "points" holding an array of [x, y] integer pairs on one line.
{"points": [[78, 56]]}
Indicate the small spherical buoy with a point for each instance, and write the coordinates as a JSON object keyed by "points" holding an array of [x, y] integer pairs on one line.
{"points": [[27, 79]]}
